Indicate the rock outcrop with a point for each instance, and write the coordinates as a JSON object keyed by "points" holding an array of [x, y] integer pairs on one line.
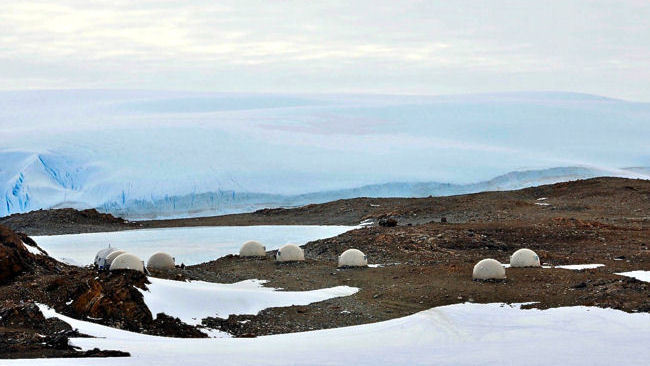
{"points": [[14, 257]]}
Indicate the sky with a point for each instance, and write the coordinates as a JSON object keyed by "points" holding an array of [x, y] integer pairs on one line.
{"points": [[374, 46]]}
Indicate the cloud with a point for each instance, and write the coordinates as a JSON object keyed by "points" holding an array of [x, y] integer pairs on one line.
{"points": [[372, 46]]}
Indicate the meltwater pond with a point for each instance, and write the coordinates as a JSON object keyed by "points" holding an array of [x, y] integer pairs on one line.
{"points": [[189, 245]]}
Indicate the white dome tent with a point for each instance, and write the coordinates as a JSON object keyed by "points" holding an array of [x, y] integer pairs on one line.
{"points": [[353, 258], [524, 258], [100, 257], [127, 261], [290, 253], [161, 261], [489, 269], [252, 248], [111, 256]]}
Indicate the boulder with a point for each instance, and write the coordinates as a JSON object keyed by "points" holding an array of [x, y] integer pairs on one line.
{"points": [[387, 222]]}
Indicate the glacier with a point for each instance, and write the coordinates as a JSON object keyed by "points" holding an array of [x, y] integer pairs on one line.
{"points": [[146, 154]]}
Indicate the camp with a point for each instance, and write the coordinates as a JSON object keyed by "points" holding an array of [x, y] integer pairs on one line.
{"points": [[127, 261], [489, 269], [100, 258], [111, 256], [161, 261], [290, 253], [353, 258], [524, 258], [252, 248]]}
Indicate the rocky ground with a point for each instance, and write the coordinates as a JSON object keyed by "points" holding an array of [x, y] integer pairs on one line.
{"points": [[64, 221], [431, 265], [426, 248]]}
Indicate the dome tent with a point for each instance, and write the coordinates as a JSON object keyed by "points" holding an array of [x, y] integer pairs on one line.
{"points": [[524, 258], [127, 261], [290, 253], [161, 261], [353, 258], [252, 248], [111, 256], [100, 257], [489, 269]]}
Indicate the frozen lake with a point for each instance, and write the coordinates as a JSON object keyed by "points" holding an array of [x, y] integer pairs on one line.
{"points": [[189, 245]]}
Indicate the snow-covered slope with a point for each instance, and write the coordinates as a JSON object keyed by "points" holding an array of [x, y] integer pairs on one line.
{"points": [[146, 154], [461, 334]]}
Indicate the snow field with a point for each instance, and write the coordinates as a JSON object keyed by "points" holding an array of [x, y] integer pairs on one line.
{"points": [[461, 334], [193, 301]]}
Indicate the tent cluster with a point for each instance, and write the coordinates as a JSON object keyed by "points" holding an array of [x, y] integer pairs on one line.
{"points": [[486, 269], [113, 259], [491, 269], [293, 253]]}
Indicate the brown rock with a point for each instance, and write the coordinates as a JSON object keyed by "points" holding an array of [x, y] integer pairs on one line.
{"points": [[387, 222], [14, 257], [114, 298]]}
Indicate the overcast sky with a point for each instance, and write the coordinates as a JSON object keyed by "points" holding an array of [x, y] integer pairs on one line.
{"points": [[405, 47]]}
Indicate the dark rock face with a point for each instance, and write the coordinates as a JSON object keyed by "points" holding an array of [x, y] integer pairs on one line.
{"points": [[14, 257], [114, 299], [25, 315], [165, 325], [387, 222]]}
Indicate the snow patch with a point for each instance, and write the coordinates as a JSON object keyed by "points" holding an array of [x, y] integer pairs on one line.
{"points": [[639, 275], [193, 301], [579, 267], [71, 261], [33, 250], [384, 265]]}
